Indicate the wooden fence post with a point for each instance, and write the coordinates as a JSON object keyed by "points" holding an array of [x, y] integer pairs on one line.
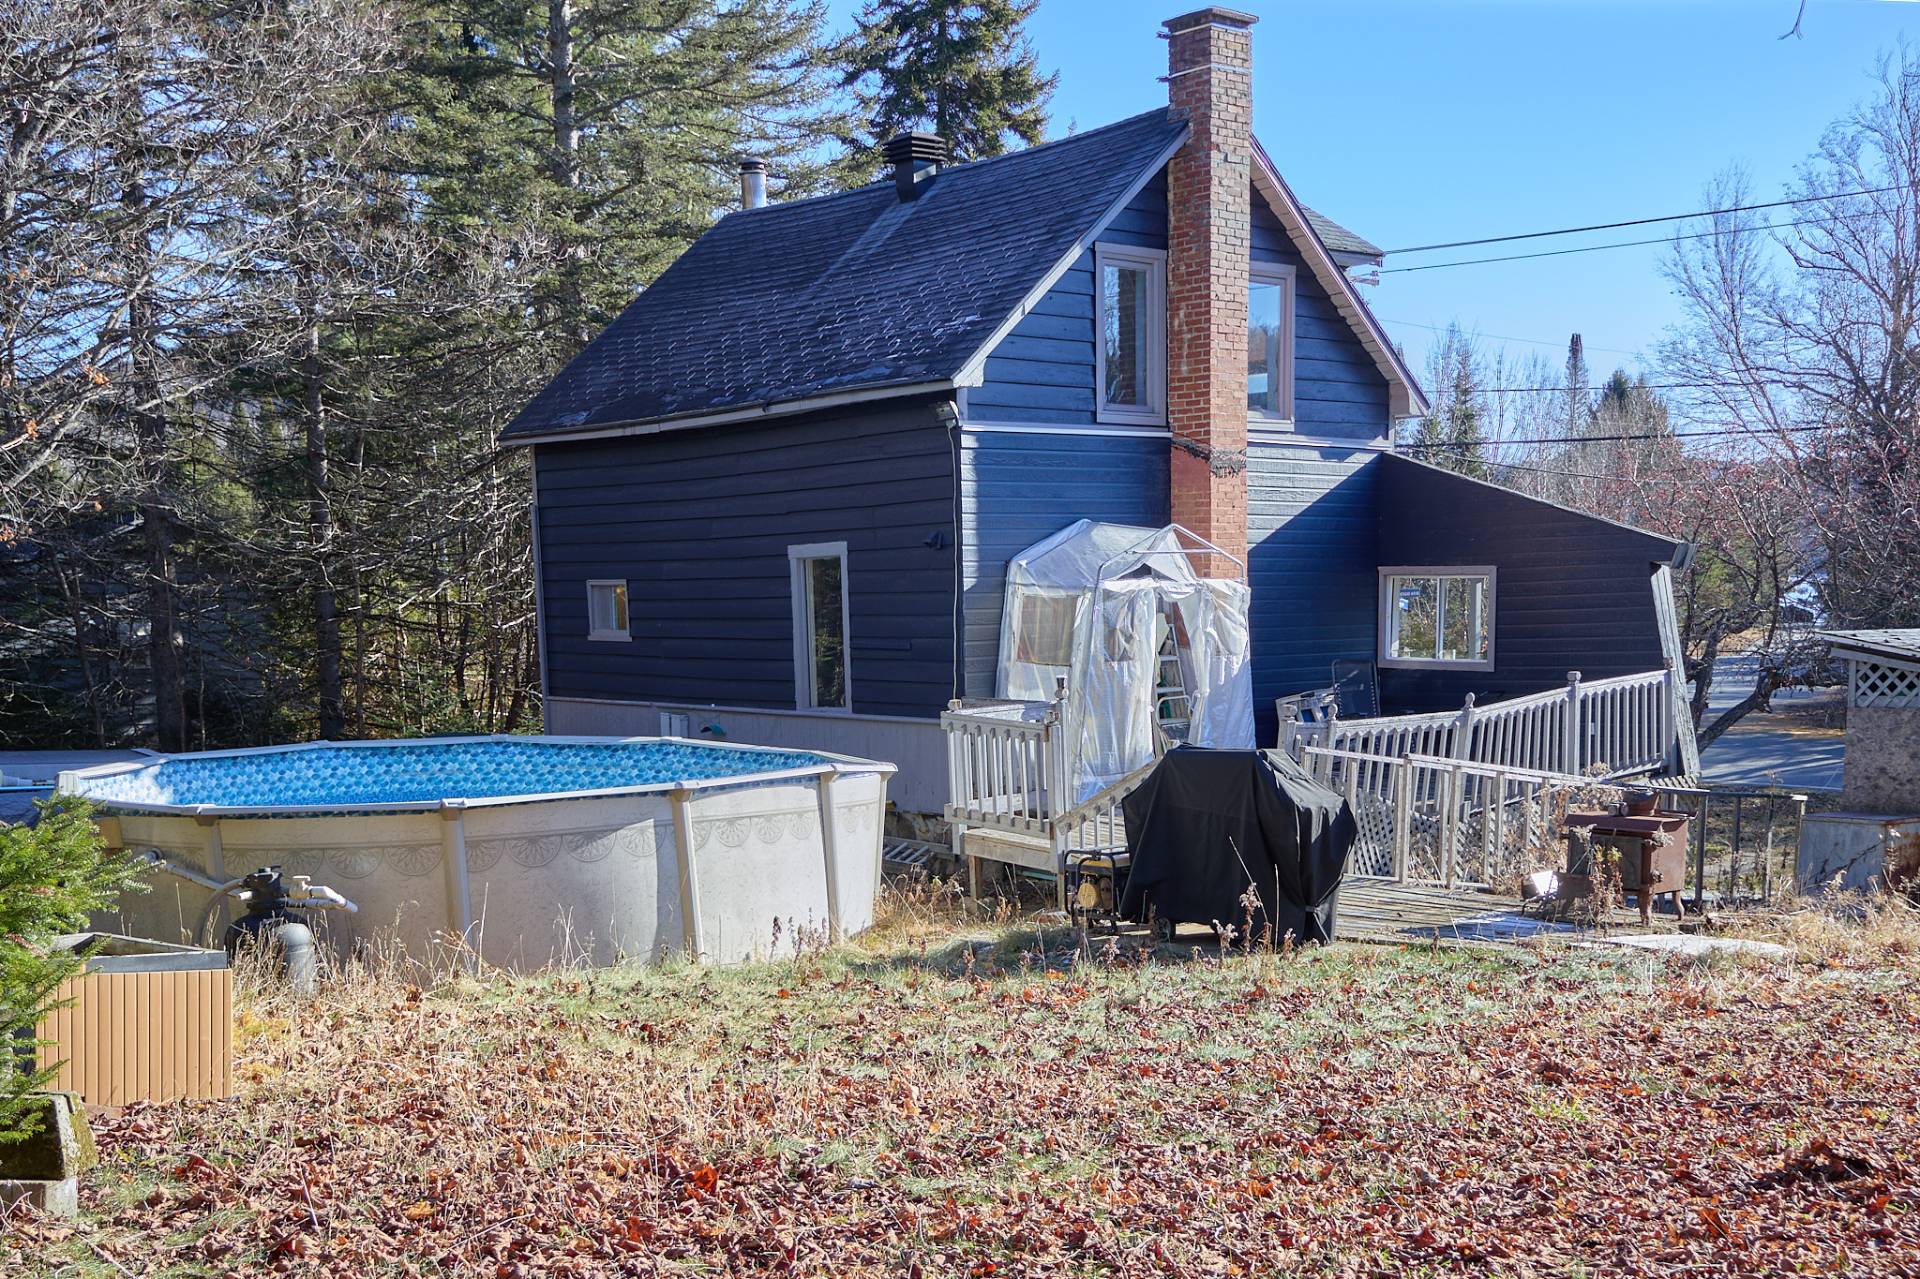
{"points": [[1450, 823], [1570, 742], [1463, 731], [1402, 818]]}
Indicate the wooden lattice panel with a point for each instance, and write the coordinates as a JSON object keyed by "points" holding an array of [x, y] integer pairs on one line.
{"points": [[1877, 684]]}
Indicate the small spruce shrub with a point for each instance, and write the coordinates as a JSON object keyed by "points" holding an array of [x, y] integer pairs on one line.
{"points": [[52, 876]]}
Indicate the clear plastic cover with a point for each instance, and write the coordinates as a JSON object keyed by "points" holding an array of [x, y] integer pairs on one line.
{"points": [[1092, 605]]}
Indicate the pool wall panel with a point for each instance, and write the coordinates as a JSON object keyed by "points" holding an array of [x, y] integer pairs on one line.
{"points": [[593, 880], [573, 880]]}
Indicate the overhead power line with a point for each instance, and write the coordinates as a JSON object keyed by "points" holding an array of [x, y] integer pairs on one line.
{"points": [[1667, 217], [1611, 439], [1721, 384], [1591, 248], [1500, 337]]}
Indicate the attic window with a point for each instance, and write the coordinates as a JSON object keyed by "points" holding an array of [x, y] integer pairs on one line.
{"points": [[1131, 289], [1270, 344]]}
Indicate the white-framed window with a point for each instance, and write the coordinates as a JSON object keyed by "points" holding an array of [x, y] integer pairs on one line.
{"points": [[1437, 616], [1270, 344], [607, 610], [1130, 348], [822, 675]]}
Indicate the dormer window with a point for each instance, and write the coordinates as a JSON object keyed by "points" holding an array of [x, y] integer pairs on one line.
{"points": [[1131, 291]]}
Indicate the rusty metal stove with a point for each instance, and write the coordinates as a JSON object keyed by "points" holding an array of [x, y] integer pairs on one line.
{"points": [[1651, 849]]}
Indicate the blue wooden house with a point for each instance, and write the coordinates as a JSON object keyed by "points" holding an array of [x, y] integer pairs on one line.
{"points": [[775, 499]]}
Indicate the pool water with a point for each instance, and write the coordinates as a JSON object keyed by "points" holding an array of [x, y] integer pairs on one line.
{"points": [[332, 777]]}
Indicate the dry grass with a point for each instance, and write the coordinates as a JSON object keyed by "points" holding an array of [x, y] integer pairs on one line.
{"points": [[964, 1094], [1864, 931]]}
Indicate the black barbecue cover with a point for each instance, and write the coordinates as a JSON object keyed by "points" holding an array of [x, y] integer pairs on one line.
{"points": [[1207, 823]]}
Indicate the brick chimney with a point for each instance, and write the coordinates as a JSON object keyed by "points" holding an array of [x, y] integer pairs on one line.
{"points": [[1209, 185]]}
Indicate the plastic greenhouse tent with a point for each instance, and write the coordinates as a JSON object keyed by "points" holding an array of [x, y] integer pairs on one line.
{"points": [[1145, 644]]}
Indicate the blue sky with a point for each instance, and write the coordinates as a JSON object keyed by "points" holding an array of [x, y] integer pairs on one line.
{"points": [[1415, 121]]}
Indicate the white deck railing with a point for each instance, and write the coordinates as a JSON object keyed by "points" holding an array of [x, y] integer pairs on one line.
{"points": [[1006, 766], [1424, 819], [1614, 727], [1008, 773]]}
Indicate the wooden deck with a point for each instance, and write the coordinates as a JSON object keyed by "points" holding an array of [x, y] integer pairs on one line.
{"points": [[1374, 910]]}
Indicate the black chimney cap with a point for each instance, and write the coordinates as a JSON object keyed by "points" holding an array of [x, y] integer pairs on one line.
{"points": [[909, 148]]}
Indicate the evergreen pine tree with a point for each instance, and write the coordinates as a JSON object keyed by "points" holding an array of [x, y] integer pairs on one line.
{"points": [[1466, 441], [1451, 434], [1579, 403], [963, 69]]}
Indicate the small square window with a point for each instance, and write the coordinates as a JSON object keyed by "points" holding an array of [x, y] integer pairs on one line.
{"points": [[607, 610], [1043, 630], [1437, 617]]}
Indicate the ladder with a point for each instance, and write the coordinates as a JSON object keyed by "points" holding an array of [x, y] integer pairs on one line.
{"points": [[1172, 705]]}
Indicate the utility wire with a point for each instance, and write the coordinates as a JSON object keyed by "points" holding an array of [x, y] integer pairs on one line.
{"points": [[1670, 217], [1602, 387], [1612, 439], [1591, 248], [1498, 337]]}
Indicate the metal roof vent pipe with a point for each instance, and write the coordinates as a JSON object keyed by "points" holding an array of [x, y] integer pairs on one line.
{"points": [[916, 159], [753, 182]]}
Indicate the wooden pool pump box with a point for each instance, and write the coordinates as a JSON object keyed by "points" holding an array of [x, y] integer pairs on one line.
{"points": [[143, 1021], [1650, 853]]}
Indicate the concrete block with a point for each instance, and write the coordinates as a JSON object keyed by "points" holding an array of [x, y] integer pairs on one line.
{"points": [[55, 1198], [60, 1146]]}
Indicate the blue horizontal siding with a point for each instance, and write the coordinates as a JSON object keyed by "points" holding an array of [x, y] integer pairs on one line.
{"points": [[1018, 489], [1044, 370], [1572, 592], [1338, 391], [1311, 522], [698, 522]]}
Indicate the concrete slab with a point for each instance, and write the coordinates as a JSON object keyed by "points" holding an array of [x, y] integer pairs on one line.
{"points": [[1695, 945]]}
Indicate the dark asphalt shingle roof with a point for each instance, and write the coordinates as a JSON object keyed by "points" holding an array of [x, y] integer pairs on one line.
{"points": [[1338, 239], [859, 290]]}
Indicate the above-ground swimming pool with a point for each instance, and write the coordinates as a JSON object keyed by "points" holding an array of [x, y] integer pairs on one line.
{"points": [[531, 849]]}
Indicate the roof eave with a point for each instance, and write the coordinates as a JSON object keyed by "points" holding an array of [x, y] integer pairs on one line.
{"points": [[739, 413]]}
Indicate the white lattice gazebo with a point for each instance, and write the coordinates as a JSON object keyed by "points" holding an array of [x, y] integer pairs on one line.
{"points": [[1876, 832]]}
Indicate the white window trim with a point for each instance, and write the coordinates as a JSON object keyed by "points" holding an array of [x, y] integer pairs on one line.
{"points": [[1286, 277], [611, 636], [1384, 645], [1154, 379], [797, 557]]}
